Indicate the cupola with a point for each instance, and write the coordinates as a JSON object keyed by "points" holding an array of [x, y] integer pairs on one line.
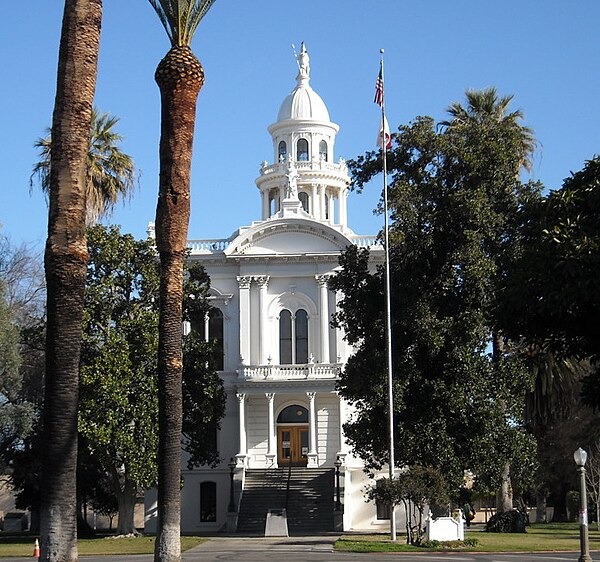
{"points": [[302, 179]]}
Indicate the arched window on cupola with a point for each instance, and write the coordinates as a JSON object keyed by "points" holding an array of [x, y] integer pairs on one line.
{"points": [[304, 200], [323, 151], [282, 151], [302, 150]]}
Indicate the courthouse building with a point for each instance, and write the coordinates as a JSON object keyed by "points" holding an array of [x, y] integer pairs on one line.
{"points": [[282, 434]]}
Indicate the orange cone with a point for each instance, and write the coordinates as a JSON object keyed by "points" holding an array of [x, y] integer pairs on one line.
{"points": [[36, 549]]}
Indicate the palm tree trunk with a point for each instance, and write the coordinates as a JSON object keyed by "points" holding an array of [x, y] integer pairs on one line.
{"points": [[65, 262], [179, 77]]}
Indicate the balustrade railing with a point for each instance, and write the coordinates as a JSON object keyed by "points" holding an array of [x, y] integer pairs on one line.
{"points": [[293, 372], [366, 241], [317, 165], [215, 245]]}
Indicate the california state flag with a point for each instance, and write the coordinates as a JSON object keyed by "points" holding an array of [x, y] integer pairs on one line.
{"points": [[384, 139]]}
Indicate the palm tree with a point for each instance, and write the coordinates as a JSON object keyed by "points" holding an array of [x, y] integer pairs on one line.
{"points": [[180, 77], [485, 108], [110, 172], [66, 264], [486, 114]]}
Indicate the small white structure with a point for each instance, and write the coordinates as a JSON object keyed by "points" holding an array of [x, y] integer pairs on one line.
{"points": [[445, 528], [281, 358]]}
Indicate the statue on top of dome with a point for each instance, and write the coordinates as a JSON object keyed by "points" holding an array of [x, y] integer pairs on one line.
{"points": [[303, 62]]}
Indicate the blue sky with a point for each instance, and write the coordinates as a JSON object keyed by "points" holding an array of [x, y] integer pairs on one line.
{"points": [[545, 52]]}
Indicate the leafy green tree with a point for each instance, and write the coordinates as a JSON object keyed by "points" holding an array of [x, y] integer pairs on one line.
{"points": [[550, 304], [203, 393], [118, 394], [109, 171], [180, 77], [454, 198], [119, 404], [15, 416], [22, 334], [416, 487], [552, 294]]}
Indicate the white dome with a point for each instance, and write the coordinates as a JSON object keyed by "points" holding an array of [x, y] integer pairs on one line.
{"points": [[303, 103]]}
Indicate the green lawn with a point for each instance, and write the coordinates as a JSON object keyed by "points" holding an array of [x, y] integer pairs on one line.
{"points": [[552, 536], [23, 546]]}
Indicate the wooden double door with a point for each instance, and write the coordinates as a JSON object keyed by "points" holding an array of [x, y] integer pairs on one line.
{"points": [[292, 445]]}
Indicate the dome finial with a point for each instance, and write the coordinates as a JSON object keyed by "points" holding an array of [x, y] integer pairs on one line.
{"points": [[303, 65]]}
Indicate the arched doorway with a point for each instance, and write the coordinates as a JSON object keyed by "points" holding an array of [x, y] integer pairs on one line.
{"points": [[292, 436]]}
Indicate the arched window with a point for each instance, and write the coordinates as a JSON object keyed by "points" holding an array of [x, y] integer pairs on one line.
{"points": [[304, 200], [212, 330], [285, 337], [293, 414], [293, 337], [301, 336], [302, 150], [323, 151], [282, 151], [208, 502], [215, 333]]}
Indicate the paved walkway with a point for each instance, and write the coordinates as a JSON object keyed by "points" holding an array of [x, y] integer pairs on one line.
{"points": [[319, 549]]}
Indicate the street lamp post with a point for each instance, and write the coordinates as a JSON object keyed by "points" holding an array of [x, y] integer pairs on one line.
{"points": [[231, 466], [580, 457], [338, 503]]}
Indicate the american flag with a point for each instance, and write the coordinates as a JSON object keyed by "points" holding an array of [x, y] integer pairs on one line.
{"points": [[379, 87]]}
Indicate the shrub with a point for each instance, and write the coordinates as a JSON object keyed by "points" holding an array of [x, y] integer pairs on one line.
{"points": [[507, 522]]}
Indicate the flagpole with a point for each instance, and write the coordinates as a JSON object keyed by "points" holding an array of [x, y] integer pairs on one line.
{"points": [[388, 307]]}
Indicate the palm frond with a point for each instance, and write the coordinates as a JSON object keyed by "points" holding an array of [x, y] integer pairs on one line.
{"points": [[486, 108], [110, 172], [181, 18]]}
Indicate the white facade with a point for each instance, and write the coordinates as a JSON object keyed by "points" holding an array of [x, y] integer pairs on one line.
{"points": [[269, 280]]}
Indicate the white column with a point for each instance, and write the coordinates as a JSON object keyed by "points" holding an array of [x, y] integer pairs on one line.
{"points": [[312, 430], [316, 207], [244, 286], [272, 441], [344, 208], [293, 339], [263, 282], [265, 204], [206, 324], [322, 201], [241, 456], [281, 196], [324, 313], [339, 351], [333, 203], [342, 413]]}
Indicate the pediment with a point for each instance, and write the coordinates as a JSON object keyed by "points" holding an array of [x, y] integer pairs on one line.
{"points": [[288, 237]]}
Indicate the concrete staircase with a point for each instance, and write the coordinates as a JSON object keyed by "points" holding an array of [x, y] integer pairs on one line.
{"points": [[307, 496]]}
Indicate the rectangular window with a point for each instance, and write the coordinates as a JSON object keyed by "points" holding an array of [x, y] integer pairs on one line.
{"points": [[208, 502], [384, 509]]}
